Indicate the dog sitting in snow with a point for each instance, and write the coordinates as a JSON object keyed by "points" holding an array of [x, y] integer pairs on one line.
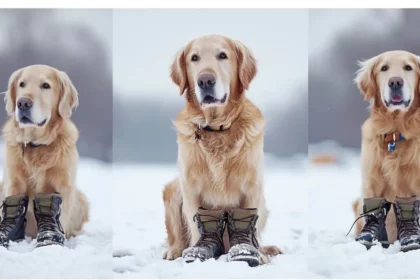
{"points": [[41, 159], [220, 156], [390, 151]]}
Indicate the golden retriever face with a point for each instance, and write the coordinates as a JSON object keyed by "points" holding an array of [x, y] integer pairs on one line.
{"points": [[36, 93], [213, 68], [391, 77]]}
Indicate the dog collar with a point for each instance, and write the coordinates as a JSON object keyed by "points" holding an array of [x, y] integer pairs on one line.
{"points": [[391, 139], [198, 132], [30, 145]]}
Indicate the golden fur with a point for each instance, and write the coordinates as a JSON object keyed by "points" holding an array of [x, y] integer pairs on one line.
{"points": [[223, 170], [389, 174], [50, 168]]}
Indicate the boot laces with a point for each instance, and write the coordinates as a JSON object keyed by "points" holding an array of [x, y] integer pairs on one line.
{"points": [[240, 236], [48, 223], [408, 227], [208, 237], [372, 221], [8, 223]]}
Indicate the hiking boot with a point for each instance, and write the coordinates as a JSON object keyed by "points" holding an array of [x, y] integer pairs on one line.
{"points": [[407, 214], [211, 225], [242, 236], [47, 209], [373, 232], [12, 227]]}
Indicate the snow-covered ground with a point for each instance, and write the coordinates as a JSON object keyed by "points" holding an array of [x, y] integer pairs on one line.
{"points": [[331, 254], [125, 238], [139, 232], [88, 255]]}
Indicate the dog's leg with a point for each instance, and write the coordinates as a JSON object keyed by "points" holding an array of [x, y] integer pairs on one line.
{"points": [[174, 223], [190, 205], [357, 210], [74, 211], [31, 226]]}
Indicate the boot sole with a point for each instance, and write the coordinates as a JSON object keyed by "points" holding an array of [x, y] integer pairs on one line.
{"points": [[48, 243], [193, 259], [410, 247], [369, 245], [6, 245], [251, 260]]}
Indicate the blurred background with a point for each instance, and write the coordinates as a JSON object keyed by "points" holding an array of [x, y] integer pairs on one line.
{"points": [[146, 100], [78, 42], [337, 40]]}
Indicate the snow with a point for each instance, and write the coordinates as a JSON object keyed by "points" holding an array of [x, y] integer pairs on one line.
{"points": [[88, 255], [310, 213], [140, 217], [332, 190]]}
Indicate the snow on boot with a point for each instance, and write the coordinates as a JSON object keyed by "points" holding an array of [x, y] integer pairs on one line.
{"points": [[47, 208], [242, 236], [374, 232], [211, 225], [12, 227], [407, 215]]}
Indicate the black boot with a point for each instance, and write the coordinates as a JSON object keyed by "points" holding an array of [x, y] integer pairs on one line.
{"points": [[211, 224], [12, 227], [373, 232], [407, 214], [242, 236], [47, 208]]}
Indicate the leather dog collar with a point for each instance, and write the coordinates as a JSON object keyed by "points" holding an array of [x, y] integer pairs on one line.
{"points": [[198, 132]]}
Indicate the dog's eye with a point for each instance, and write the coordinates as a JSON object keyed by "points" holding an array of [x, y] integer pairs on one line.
{"points": [[45, 86], [222, 55], [22, 84], [194, 57], [384, 68], [408, 68]]}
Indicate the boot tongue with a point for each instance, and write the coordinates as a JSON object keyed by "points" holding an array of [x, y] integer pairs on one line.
{"points": [[210, 219], [407, 207], [243, 217], [373, 204], [407, 210], [47, 203], [12, 206]]}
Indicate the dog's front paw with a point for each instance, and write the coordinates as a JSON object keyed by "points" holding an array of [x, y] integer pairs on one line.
{"points": [[270, 250], [172, 253], [263, 258]]}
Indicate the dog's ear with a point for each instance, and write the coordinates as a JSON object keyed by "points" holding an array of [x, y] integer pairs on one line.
{"points": [[365, 78], [69, 98], [10, 97], [247, 65], [179, 71]]}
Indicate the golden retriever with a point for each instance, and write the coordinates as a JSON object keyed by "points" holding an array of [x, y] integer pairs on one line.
{"points": [[218, 169], [384, 173], [50, 167]]}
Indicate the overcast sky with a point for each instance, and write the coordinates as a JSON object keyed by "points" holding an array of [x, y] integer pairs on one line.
{"points": [[145, 42], [324, 24]]}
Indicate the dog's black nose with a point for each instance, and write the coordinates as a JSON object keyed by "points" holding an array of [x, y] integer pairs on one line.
{"points": [[24, 104], [395, 82], [206, 81]]}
